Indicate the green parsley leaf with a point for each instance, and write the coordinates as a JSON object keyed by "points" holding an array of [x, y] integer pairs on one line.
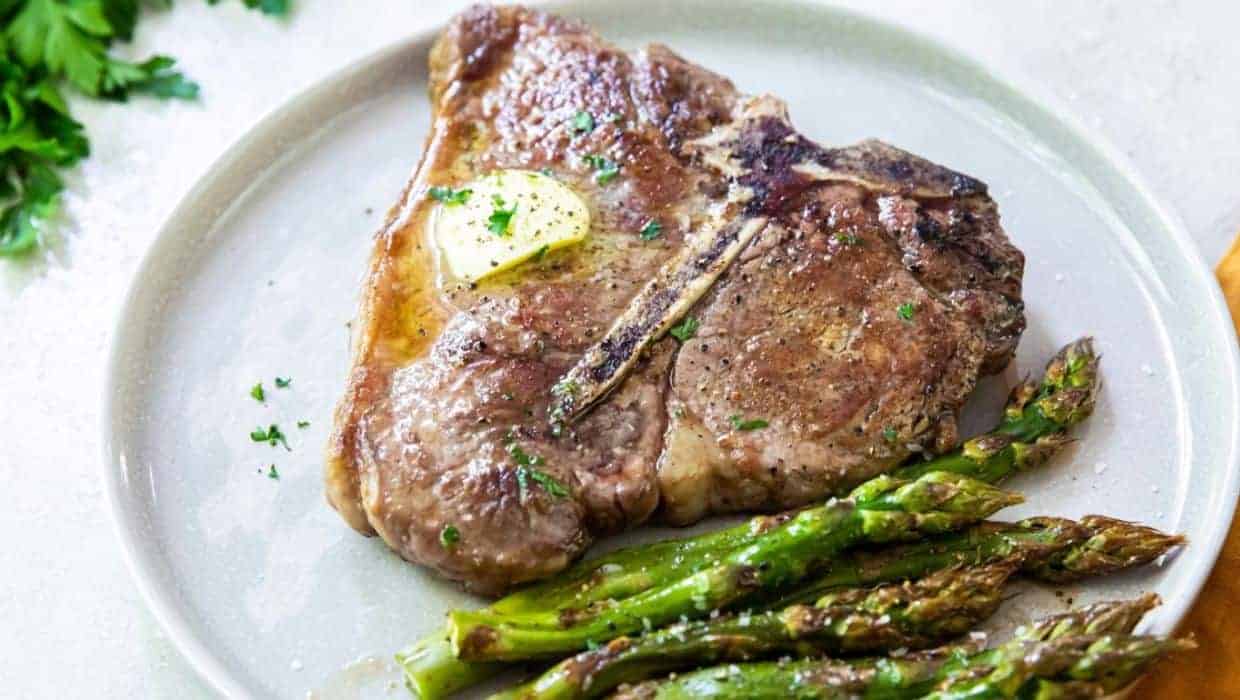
{"points": [[449, 196], [905, 311], [685, 330], [283, 382], [267, 7], [37, 136], [122, 17], [583, 122], [549, 483], [541, 253], [273, 473], [32, 190], [889, 434], [520, 457], [604, 170], [501, 218], [847, 238], [257, 393], [527, 471], [70, 40], [753, 424], [272, 435], [46, 44], [564, 387], [303, 424], [449, 536], [651, 230]]}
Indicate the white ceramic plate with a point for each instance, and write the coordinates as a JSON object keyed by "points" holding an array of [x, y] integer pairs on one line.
{"points": [[257, 271]]}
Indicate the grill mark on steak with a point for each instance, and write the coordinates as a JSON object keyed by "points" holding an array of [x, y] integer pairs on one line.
{"points": [[800, 329]]}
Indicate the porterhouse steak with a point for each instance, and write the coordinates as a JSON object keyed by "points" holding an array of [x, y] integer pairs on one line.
{"points": [[846, 302]]}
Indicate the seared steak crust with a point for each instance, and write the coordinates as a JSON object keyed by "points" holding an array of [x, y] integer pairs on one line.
{"points": [[855, 323]]}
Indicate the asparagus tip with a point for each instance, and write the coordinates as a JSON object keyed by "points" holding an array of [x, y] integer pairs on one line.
{"points": [[1105, 618], [1034, 454], [1112, 545], [1071, 383]]}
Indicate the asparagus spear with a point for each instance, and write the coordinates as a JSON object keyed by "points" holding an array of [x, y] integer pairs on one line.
{"points": [[1064, 396], [1050, 549], [1108, 663], [946, 604], [889, 510], [891, 678], [1071, 667], [1041, 689], [1084, 651], [1040, 655]]}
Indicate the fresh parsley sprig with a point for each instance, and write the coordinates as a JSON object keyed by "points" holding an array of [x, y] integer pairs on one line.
{"points": [[44, 46]]}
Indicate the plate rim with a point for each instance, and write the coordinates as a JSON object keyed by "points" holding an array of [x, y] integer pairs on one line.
{"points": [[162, 605], [1029, 93]]}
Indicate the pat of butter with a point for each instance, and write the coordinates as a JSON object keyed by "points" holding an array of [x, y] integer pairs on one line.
{"points": [[508, 217]]}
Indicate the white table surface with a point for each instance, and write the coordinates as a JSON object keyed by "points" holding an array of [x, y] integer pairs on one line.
{"points": [[1159, 80]]}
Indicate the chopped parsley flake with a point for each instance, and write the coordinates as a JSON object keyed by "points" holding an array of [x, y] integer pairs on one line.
{"points": [[273, 473], [527, 471], [449, 536], [272, 435], [549, 483], [548, 172], [685, 330], [889, 434], [583, 122], [847, 238], [521, 458], [752, 424], [905, 311], [651, 230], [501, 217], [564, 387], [450, 196], [303, 424], [541, 253], [283, 382], [257, 393], [604, 170]]}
